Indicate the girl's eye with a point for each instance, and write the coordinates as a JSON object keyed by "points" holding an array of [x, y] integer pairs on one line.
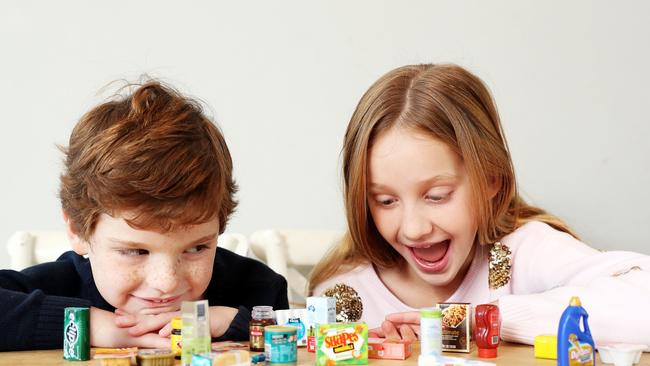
{"points": [[384, 200], [197, 249], [438, 197], [132, 252]]}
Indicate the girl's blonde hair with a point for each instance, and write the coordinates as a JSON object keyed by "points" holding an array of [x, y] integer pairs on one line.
{"points": [[454, 106]]}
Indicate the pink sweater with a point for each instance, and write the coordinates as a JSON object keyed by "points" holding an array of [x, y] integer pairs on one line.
{"points": [[548, 267]]}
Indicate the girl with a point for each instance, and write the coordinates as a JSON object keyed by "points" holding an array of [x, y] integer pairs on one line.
{"points": [[434, 216]]}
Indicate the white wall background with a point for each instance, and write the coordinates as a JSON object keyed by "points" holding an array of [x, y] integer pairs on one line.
{"points": [[571, 79]]}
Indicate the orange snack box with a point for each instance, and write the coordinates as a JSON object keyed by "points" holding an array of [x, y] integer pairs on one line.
{"points": [[389, 349]]}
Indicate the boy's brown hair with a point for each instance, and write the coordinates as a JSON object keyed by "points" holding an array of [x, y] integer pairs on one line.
{"points": [[153, 153]]}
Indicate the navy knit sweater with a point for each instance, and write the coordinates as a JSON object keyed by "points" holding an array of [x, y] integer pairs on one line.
{"points": [[32, 301]]}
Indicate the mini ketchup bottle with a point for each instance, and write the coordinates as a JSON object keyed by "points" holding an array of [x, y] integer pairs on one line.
{"points": [[486, 330]]}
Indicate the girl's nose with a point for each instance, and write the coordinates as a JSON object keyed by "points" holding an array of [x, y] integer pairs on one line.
{"points": [[416, 225]]}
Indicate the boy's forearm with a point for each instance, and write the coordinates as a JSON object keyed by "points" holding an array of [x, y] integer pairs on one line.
{"points": [[34, 320], [229, 323]]}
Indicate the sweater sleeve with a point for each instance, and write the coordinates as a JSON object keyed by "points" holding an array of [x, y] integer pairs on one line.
{"points": [[30, 318], [614, 288]]}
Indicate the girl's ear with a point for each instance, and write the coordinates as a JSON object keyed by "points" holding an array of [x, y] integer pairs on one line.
{"points": [[495, 186], [79, 245]]}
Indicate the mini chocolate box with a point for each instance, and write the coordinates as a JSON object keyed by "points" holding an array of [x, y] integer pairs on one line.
{"points": [[456, 327], [341, 344]]}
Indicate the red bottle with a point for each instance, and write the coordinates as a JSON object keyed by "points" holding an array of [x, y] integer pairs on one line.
{"points": [[486, 330]]}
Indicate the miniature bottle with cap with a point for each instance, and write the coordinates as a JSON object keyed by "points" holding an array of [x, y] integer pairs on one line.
{"points": [[431, 331], [575, 346], [261, 317], [486, 330]]}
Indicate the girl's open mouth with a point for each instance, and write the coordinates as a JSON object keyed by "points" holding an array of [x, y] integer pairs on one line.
{"points": [[433, 259]]}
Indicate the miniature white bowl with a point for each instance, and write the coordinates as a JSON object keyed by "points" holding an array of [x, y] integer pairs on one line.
{"points": [[621, 354]]}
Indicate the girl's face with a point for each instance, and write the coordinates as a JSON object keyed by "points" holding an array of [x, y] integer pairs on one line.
{"points": [[420, 200], [147, 272]]}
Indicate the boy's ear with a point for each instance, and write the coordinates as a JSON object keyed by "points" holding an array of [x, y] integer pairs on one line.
{"points": [[79, 245]]}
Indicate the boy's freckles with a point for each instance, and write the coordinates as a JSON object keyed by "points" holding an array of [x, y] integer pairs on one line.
{"points": [[144, 271]]}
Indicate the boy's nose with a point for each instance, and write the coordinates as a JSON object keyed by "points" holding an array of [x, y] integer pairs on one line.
{"points": [[164, 277], [416, 225]]}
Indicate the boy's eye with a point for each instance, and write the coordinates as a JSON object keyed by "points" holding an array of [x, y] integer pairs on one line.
{"points": [[197, 249], [133, 252]]}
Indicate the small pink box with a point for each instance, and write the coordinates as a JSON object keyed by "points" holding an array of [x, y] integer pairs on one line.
{"points": [[389, 349]]}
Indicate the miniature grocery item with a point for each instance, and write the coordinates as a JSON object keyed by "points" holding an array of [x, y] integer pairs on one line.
{"points": [[575, 347], [430, 331], [546, 346], [228, 358], [115, 356], [196, 330], [295, 318], [280, 344], [621, 354], [342, 344], [176, 336], [456, 327], [262, 316], [487, 324], [388, 349], [320, 310], [155, 357], [76, 334]]}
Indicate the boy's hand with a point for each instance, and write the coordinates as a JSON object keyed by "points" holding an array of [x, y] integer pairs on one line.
{"points": [[220, 319], [141, 324], [105, 333], [399, 326]]}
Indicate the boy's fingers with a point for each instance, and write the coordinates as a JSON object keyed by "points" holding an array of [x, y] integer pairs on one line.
{"points": [[148, 324], [166, 331], [125, 321], [409, 317], [151, 340], [120, 312]]}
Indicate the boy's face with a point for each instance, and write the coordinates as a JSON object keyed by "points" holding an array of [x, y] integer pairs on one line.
{"points": [[147, 272]]}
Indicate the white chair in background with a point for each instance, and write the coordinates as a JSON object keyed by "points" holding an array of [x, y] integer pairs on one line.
{"points": [[293, 253], [27, 248]]}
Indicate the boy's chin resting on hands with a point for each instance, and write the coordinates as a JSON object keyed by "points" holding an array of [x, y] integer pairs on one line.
{"points": [[159, 324], [104, 332]]}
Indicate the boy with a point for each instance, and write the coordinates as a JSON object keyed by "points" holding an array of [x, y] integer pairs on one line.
{"points": [[146, 190]]}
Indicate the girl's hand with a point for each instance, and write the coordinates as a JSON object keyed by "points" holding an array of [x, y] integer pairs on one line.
{"points": [[399, 326], [139, 324], [104, 332]]}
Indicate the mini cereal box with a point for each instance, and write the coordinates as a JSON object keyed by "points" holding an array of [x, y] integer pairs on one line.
{"points": [[456, 327], [342, 344]]}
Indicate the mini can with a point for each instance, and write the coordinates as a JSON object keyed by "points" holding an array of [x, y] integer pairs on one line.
{"points": [[76, 334], [280, 344]]}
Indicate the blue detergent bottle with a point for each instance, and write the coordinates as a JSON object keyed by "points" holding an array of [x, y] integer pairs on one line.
{"points": [[575, 346]]}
